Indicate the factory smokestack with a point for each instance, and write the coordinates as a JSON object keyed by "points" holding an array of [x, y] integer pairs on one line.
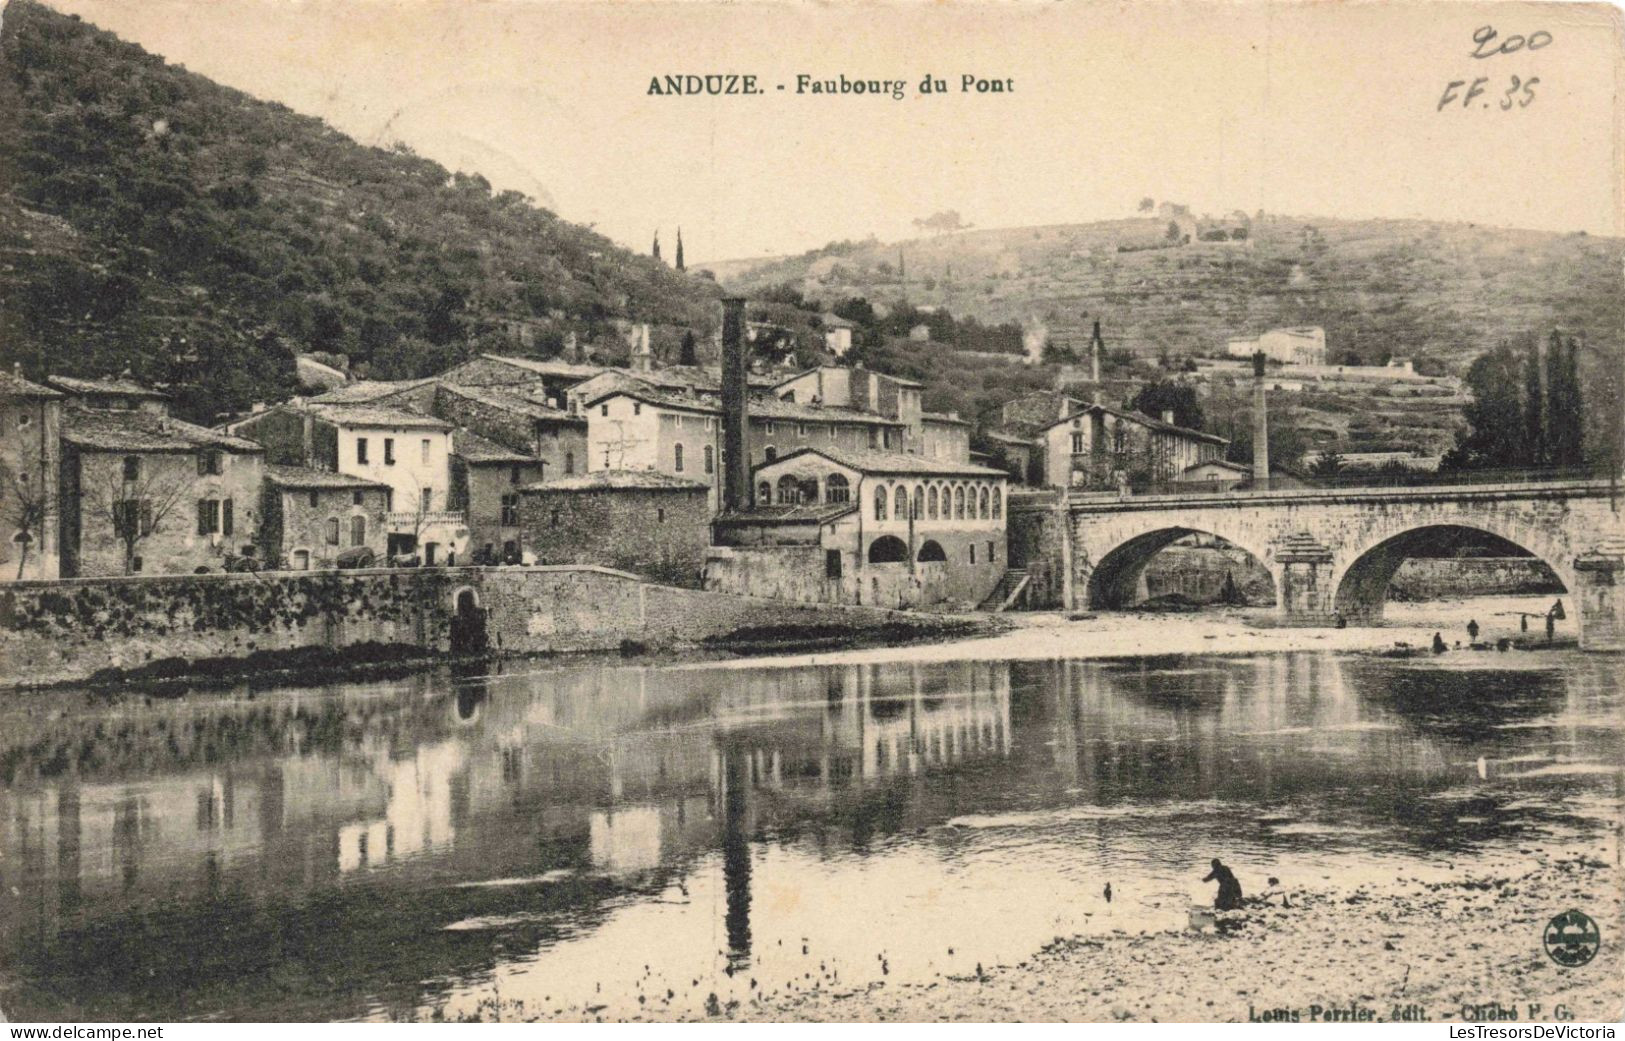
{"points": [[1261, 426], [736, 490]]}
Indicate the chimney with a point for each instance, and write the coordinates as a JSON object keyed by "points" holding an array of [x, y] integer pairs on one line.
{"points": [[1261, 426], [572, 348], [1096, 344], [736, 489], [1168, 416], [642, 357]]}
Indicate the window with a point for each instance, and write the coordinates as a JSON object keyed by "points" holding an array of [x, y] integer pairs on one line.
{"points": [[315, 498], [767, 428], [789, 491], [832, 431], [553, 517], [998, 504], [361, 450], [426, 500], [510, 511], [982, 510], [919, 502], [677, 458], [332, 531], [132, 518], [837, 489], [931, 503], [770, 453], [764, 494], [132, 468], [677, 420], [208, 516], [1119, 437], [710, 459], [226, 517], [900, 502], [301, 560], [208, 462], [603, 410], [637, 408], [424, 448], [514, 474], [358, 531], [973, 552], [801, 430], [959, 503], [991, 556], [23, 420], [880, 503], [135, 564], [660, 515], [874, 438], [569, 463], [357, 497], [1077, 442], [832, 563]]}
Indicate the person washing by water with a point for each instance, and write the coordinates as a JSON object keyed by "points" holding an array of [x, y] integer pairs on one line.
{"points": [[1472, 630], [1229, 898], [1438, 644]]}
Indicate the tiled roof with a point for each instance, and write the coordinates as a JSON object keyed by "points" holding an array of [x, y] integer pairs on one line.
{"points": [[548, 366], [891, 463], [798, 514], [511, 401], [476, 449], [1009, 437], [939, 417], [364, 391], [1144, 420], [300, 477], [119, 387], [13, 386], [376, 416], [618, 480], [100, 431], [761, 407], [856, 372]]}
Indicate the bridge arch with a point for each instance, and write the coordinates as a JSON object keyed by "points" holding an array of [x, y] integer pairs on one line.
{"points": [[1361, 578], [1115, 581]]}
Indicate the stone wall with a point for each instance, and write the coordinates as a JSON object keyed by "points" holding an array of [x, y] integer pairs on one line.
{"points": [[659, 532], [1427, 579], [61, 632], [1035, 532]]}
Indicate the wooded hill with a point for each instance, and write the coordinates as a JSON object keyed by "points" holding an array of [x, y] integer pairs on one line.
{"points": [[153, 220]]}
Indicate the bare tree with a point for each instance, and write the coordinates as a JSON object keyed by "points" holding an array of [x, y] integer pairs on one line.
{"points": [[616, 448], [28, 505], [136, 502]]}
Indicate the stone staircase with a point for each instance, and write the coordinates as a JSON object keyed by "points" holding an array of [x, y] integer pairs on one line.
{"points": [[1010, 592]]}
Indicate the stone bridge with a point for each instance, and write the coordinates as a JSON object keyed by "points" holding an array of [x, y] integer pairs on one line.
{"points": [[1332, 552]]}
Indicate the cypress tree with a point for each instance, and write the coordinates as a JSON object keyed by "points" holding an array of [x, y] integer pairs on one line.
{"points": [[1559, 418], [1574, 445], [656, 250], [1534, 413], [687, 355]]}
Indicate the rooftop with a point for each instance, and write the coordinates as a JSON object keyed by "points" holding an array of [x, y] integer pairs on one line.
{"points": [[300, 477], [618, 480], [107, 387], [13, 386], [375, 416], [556, 367], [99, 431], [1143, 420], [821, 513], [364, 391], [511, 401], [890, 463], [761, 406], [943, 417], [476, 449]]}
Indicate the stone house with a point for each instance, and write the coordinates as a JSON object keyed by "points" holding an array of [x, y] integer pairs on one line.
{"points": [[110, 395], [642, 521], [944, 436], [546, 379], [309, 518], [408, 452], [1106, 448], [859, 527], [486, 482], [30, 464], [142, 492]]}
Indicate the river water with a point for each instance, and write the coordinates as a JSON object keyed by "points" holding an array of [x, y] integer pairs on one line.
{"points": [[639, 841]]}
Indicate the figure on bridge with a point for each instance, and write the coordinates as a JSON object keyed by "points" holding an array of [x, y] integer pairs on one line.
{"points": [[1229, 898]]}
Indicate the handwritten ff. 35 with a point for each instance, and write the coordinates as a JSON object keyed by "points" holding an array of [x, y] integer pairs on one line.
{"points": [[1513, 92]]}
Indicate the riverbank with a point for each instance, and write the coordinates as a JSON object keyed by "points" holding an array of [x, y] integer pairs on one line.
{"points": [[1458, 946], [1046, 635]]}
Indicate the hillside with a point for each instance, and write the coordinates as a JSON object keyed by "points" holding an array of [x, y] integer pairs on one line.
{"points": [[151, 219], [1380, 288]]}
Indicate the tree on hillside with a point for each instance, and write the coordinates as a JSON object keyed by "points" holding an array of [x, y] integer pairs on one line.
{"points": [[1534, 413], [1328, 464], [1155, 398], [1565, 437], [1147, 204], [941, 223], [686, 352], [1495, 416]]}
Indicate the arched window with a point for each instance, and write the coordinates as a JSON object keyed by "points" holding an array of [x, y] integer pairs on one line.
{"points": [[789, 490], [983, 509], [837, 489], [569, 463], [1119, 437], [888, 549], [959, 503], [764, 494], [880, 503], [998, 504], [919, 502], [677, 458], [930, 550], [710, 459], [900, 502], [931, 499]]}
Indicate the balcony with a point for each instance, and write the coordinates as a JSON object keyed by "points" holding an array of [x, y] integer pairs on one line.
{"points": [[407, 523]]}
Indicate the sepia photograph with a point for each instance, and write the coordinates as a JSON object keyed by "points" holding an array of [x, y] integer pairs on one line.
{"points": [[604, 511]]}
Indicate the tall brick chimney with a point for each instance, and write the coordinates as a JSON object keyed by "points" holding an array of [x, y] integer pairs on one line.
{"points": [[1261, 426], [643, 359], [736, 490]]}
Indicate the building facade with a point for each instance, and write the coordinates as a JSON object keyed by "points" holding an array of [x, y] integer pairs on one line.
{"points": [[1104, 449], [648, 523], [1299, 345], [314, 519], [30, 464]]}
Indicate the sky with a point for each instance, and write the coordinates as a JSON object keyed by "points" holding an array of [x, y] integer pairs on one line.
{"points": [[1329, 110]]}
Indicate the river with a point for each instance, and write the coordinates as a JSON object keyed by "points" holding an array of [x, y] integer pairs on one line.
{"points": [[652, 841]]}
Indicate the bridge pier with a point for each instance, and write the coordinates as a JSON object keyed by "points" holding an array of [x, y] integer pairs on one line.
{"points": [[1306, 590], [1600, 575]]}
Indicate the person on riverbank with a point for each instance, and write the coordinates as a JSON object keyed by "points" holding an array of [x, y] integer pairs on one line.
{"points": [[1229, 898], [1472, 630], [1438, 644]]}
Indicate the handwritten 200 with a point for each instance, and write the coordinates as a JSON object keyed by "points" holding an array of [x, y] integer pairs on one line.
{"points": [[1518, 92]]}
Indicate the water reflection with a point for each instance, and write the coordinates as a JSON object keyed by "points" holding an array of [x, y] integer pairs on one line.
{"points": [[393, 848]]}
